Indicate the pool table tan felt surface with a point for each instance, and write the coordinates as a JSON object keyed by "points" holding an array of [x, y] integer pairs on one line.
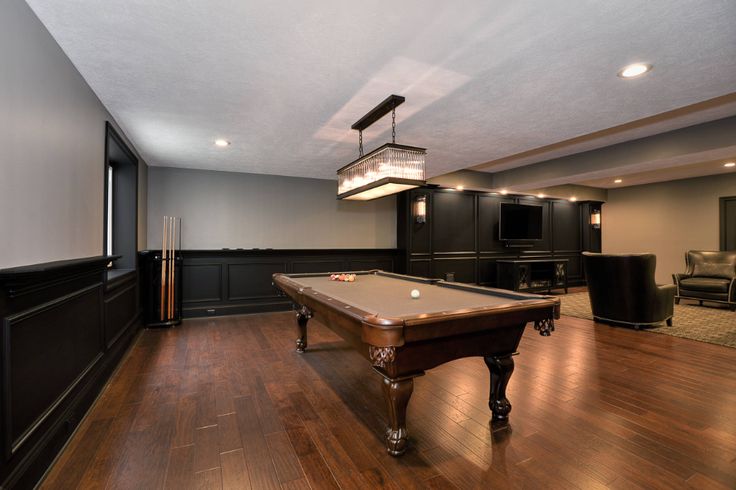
{"points": [[387, 296]]}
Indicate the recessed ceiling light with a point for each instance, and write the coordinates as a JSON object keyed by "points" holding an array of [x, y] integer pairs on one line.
{"points": [[617, 181], [634, 70], [729, 164], [573, 199], [460, 187], [222, 142], [540, 195], [504, 192]]}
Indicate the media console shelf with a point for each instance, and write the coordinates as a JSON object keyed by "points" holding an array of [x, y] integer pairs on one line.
{"points": [[532, 274]]}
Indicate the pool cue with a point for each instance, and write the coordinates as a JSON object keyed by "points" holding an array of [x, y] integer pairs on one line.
{"points": [[168, 268], [173, 266], [163, 268]]}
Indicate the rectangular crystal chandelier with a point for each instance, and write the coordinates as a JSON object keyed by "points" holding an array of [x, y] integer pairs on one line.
{"points": [[388, 169]]}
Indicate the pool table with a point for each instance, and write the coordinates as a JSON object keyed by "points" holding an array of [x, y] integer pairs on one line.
{"points": [[402, 336]]}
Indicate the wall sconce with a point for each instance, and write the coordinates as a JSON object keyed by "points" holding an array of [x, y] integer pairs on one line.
{"points": [[595, 218], [420, 209]]}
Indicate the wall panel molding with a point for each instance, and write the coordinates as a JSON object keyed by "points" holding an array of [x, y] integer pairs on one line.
{"points": [[458, 219], [61, 339], [228, 282]]}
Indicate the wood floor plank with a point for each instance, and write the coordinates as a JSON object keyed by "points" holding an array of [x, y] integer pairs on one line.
{"points": [[261, 470], [283, 456], [186, 409], [146, 452], [234, 471], [229, 435], [206, 448], [208, 479], [316, 470], [180, 472], [103, 462]]}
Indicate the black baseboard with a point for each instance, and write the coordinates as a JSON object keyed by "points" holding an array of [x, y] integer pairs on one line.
{"points": [[203, 311]]}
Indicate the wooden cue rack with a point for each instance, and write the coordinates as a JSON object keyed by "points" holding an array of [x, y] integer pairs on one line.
{"points": [[165, 275]]}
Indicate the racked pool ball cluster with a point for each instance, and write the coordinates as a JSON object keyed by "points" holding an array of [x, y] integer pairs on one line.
{"points": [[342, 277]]}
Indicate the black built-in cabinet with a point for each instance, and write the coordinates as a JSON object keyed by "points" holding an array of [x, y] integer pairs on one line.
{"points": [[459, 238]]}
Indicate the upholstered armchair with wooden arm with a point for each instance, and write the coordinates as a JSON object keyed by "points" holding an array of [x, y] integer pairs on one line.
{"points": [[709, 276]]}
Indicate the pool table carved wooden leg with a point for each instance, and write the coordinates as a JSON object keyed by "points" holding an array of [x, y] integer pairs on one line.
{"points": [[303, 314], [501, 368], [397, 393]]}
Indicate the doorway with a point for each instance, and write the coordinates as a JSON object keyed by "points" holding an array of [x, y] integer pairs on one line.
{"points": [[728, 223]]}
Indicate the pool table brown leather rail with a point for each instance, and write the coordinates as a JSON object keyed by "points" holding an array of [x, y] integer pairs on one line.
{"points": [[402, 346]]}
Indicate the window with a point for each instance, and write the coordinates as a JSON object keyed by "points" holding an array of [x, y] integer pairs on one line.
{"points": [[121, 202], [108, 216]]}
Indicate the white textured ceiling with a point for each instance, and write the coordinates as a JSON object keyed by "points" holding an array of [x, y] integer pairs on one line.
{"points": [[484, 79]]}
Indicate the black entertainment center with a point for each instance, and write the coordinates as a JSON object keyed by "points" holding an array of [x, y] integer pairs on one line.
{"points": [[532, 275], [460, 236]]}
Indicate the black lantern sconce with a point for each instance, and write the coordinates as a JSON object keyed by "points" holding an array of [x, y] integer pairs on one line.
{"points": [[420, 209], [595, 218]]}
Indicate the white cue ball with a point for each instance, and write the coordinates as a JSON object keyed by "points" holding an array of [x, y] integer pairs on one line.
{"points": [[415, 293]]}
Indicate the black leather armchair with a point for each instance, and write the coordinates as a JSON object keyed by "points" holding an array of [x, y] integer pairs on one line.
{"points": [[622, 290], [710, 276]]}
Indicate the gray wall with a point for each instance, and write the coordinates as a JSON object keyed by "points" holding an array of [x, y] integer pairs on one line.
{"points": [[52, 135], [227, 209], [667, 219]]}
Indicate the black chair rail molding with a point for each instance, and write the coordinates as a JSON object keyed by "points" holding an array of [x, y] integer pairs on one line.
{"points": [[65, 326]]}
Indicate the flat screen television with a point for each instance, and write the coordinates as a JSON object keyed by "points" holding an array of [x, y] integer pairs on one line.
{"points": [[520, 222]]}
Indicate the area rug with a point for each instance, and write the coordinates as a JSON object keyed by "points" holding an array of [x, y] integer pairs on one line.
{"points": [[704, 323]]}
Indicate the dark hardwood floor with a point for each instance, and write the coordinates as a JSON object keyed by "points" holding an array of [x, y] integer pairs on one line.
{"points": [[228, 403]]}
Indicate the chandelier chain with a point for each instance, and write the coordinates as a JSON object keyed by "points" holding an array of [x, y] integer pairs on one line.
{"points": [[360, 143], [393, 124]]}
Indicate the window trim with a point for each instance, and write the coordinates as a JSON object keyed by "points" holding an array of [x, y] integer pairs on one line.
{"points": [[112, 134]]}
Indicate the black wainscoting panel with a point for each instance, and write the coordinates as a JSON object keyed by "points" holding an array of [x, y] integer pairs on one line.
{"points": [[227, 282], [453, 222], [252, 280], [120, 310], [71, 347], [370, 264], [420, 267], [565, 226], [304, 266], [56, 318], [201, 282], [488, 217], [463, 268]]}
